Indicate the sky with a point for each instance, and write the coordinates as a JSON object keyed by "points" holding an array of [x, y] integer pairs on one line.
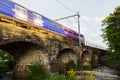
{"points": [[92, 12]]}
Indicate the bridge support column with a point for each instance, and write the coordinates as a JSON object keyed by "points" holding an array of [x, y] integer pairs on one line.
{"points": [[96, 58]]}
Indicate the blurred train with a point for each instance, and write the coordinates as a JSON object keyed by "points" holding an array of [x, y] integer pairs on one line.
{"points": [[14, 10]]}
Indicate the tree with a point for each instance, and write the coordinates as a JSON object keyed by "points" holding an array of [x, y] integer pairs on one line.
{"points": [[6, 62], [111, 32]]}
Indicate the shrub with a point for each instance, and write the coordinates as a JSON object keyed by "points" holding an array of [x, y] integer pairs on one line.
{"points": [[53, 76], [113, 58], [71, 65], [6, 63], [72, 74], [38, 72], [87, 66]]}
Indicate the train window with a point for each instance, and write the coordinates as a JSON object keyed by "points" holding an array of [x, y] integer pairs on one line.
{"points": [[20, 13]]}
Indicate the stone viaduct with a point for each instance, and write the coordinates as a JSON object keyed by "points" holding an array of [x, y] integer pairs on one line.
{"points": [[28, 45]]}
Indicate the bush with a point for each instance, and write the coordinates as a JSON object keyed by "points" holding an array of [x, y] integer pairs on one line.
{"points": [[6, 63], [3, 69], [53, 76], [71, 65], [72, 74], [87, 66], [38, 72], [113, 58]]}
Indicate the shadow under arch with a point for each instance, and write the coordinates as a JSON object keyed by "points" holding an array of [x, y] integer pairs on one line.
{"points": [[17, 49], [26, 53]]}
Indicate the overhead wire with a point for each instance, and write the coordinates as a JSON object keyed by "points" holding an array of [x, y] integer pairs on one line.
{"points": [[91, 27], [71, 10], [65, 6]]}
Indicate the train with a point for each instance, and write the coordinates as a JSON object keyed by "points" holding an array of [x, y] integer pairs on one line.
{"points": [[14, 10]]}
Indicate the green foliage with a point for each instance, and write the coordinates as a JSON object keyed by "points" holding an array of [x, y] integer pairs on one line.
{"points": [[3, 69], [72, 74], [111, 32], [38, 72], [53, 76], [5, 56], [84, 68], [113, 58], [87, 68], [6, 62], [71, 65]]}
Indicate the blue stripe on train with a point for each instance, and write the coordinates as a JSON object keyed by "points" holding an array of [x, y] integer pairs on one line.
{"points": [[6, 8]]}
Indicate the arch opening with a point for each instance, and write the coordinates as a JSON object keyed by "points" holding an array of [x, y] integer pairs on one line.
{"points": [[66, 55], [25, 54], [86, 58]]}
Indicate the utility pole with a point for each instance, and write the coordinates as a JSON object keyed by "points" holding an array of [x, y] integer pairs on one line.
{"points": [[80, 46], [79, 29], [78, 20]]}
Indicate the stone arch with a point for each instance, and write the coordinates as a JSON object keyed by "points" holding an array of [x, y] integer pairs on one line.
{"points": [[26, 53], [66, 55], [86, 56]]}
